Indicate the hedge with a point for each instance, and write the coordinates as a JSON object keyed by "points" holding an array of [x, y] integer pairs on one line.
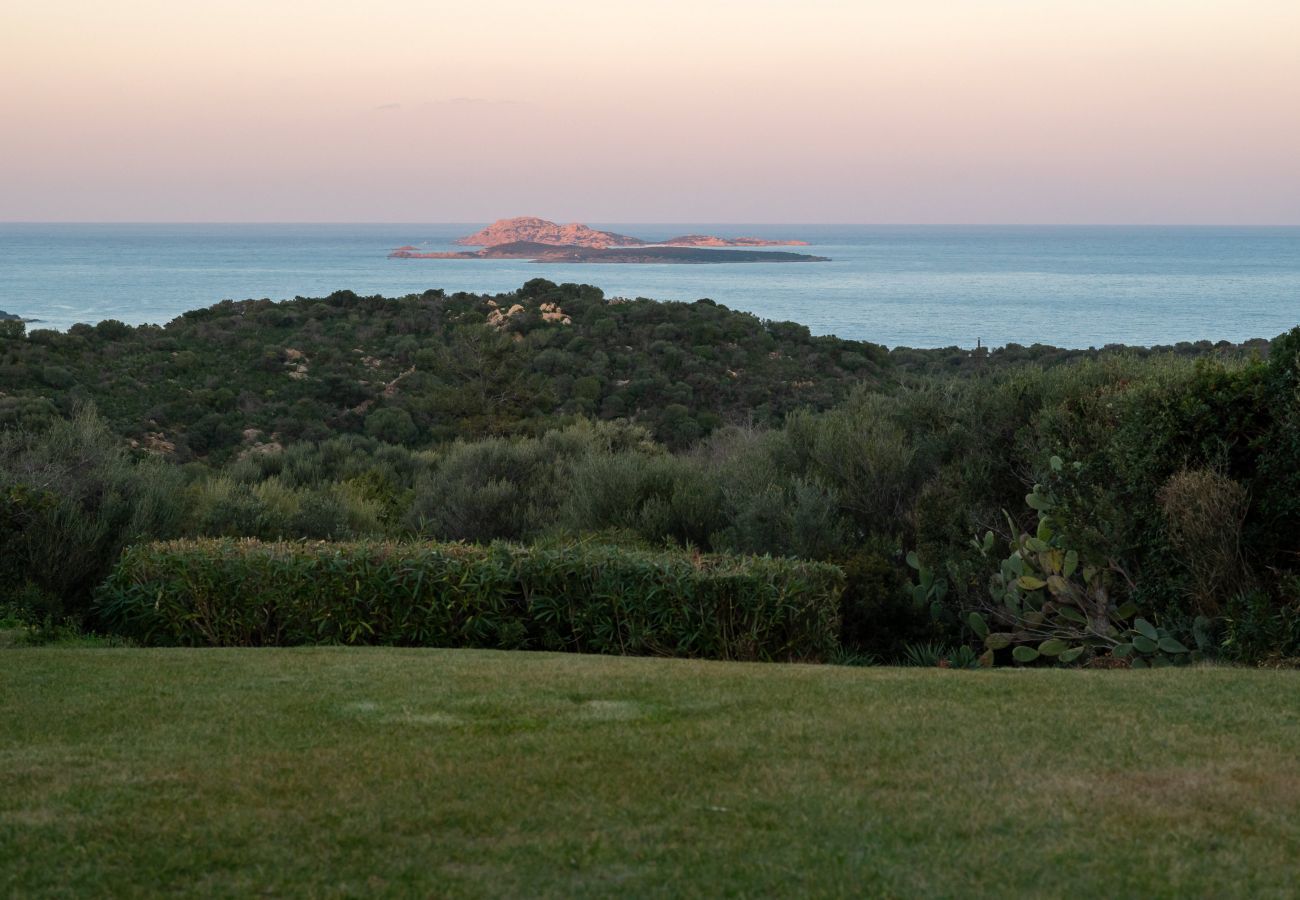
{"points": [[582, 598]]}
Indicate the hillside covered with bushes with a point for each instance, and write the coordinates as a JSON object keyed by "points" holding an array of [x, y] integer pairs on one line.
{"points": [[1022, 506], [422, 370], [429, 368]]}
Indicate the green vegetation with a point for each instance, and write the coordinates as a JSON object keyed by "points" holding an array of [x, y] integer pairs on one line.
{"points": [[426, 368], [546, 470], [978, 504], [71, 497], [580, 598], [350, 772]]}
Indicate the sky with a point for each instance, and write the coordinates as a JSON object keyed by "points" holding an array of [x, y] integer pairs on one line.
{"points": [[844, 111]]}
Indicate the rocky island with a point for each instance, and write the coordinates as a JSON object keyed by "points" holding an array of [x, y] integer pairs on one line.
{"points": [[544, 241], [658, 253]]}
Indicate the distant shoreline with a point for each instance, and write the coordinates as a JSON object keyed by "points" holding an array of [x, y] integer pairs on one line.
{"points": [[918, 287], [550, 253], [541, 240]]}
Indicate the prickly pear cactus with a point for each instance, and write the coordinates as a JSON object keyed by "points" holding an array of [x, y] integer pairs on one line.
{"points": [[1047, 605], [929, 590]]}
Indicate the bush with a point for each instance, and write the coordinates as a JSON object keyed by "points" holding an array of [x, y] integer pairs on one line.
{"points": [[1262, 629], [579, 598], [879, 615], [495, 488], [1204, 512], [872, 463], [224, 507], [513, 489], [393, 426], [662, 498], [70, 499]]}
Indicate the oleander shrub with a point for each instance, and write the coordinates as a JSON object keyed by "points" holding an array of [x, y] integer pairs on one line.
{"points": [[582, 598]]}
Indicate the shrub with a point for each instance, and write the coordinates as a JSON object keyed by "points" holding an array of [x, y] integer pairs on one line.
{"points": [[1204, 512], [1261, 628], [489, 489], [878, 615], [511, 489], [873, 465], [579, 598], [222, 507], [1054, 606], [225, 507], [791, 517], [660, 497], [70, 499], [392, 425]]}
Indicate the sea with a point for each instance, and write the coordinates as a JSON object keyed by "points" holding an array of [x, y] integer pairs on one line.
{"points": [[917, 286]]}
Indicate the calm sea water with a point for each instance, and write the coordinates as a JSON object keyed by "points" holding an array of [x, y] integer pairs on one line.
{"points": [[918, 286]]}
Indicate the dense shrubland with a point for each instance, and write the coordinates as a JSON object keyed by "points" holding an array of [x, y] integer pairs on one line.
{"points": [[424, 369], [1167, 483]]}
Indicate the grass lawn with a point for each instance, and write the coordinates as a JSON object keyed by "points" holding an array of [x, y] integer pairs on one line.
{"points": [[330, 772]]}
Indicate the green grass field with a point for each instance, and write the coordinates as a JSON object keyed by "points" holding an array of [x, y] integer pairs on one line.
{"points": [[348, 772]]}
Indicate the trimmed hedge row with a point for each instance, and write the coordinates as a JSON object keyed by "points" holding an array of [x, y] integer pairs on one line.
{"points": [[582, 598]]}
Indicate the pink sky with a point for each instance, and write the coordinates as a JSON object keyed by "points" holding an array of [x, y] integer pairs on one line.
{"points": [[945, 111]]}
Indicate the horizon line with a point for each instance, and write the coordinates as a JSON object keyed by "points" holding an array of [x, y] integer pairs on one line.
{"points": [[404, 222]]}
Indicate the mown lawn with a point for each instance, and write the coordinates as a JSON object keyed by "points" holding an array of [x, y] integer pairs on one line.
{"points": [[331, 772]]}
